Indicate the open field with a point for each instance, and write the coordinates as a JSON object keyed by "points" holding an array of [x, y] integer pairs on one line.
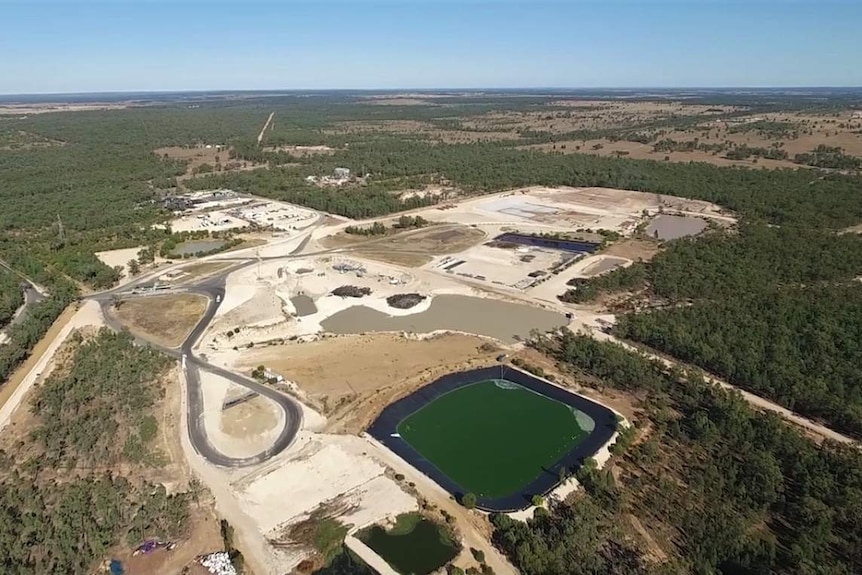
{"points": [[416, 249], [710, 140], [177, 315], [426, 130], [201, 159], [493, 437]]}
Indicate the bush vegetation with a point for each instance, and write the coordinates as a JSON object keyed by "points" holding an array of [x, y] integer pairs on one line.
{"points": [[61, 507]]}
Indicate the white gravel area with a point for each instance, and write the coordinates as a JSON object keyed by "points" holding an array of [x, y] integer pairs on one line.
{"points": [[326, 468]]}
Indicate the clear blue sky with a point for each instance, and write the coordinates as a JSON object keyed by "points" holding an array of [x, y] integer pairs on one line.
{"points": [[142, 45]]}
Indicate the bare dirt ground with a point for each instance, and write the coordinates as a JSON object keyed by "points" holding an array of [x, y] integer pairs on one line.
{"points": [[633, 249], [201, 270], [638, 151], [589, 115], [29, 109], [253, 417], [371, 370], [177, 315]]}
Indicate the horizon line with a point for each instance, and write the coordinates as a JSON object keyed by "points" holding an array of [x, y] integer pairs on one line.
{"points": [[429, 90]]}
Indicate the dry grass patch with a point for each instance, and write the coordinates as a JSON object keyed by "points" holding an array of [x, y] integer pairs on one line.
{"points": [[633, 249], [351, 378], [412, 248], [164, 319]]}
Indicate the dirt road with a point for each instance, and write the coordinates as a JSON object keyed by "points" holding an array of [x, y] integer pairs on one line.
{"points": [[37, 365], [265, 126]]}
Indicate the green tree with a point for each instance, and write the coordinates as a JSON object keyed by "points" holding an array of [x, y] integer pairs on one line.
{"points": [[468, 500]]}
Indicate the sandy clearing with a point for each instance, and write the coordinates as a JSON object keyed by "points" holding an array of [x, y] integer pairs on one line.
{"points": [[602, 264], [586, 267], [243, 443], [328, 468], [251, 418], [119, 258]]}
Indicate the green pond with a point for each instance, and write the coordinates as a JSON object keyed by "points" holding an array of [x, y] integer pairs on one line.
{"points": [[415, 546]]}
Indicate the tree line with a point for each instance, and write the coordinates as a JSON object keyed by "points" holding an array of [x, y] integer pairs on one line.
{"points": [[11, 297]]}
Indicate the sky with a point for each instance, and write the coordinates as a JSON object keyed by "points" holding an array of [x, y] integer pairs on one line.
{"points": [[151, 45]]}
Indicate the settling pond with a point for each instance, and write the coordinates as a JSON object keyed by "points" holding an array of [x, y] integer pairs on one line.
{"points": [[667, 227], [303, 305], [508, 322]]}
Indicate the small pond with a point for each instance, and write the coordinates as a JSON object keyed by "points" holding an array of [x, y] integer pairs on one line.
{"points": [[506, 321], [304, 305], [414, 546]]}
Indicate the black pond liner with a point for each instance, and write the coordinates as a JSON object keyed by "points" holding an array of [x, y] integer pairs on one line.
{"points": [[385, 430]]}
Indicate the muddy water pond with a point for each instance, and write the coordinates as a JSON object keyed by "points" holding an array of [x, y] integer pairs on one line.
{"points": [[303, 305], [508, 322], [667, 227]]}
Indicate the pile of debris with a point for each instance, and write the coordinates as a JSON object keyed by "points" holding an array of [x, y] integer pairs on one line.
{"points": [[218, 563], [351, 291], [405, 300]]}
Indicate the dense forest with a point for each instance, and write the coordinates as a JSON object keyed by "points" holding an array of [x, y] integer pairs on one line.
{"points": [[60, 508], [719, 487], [801, 347], [777, 311]]}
